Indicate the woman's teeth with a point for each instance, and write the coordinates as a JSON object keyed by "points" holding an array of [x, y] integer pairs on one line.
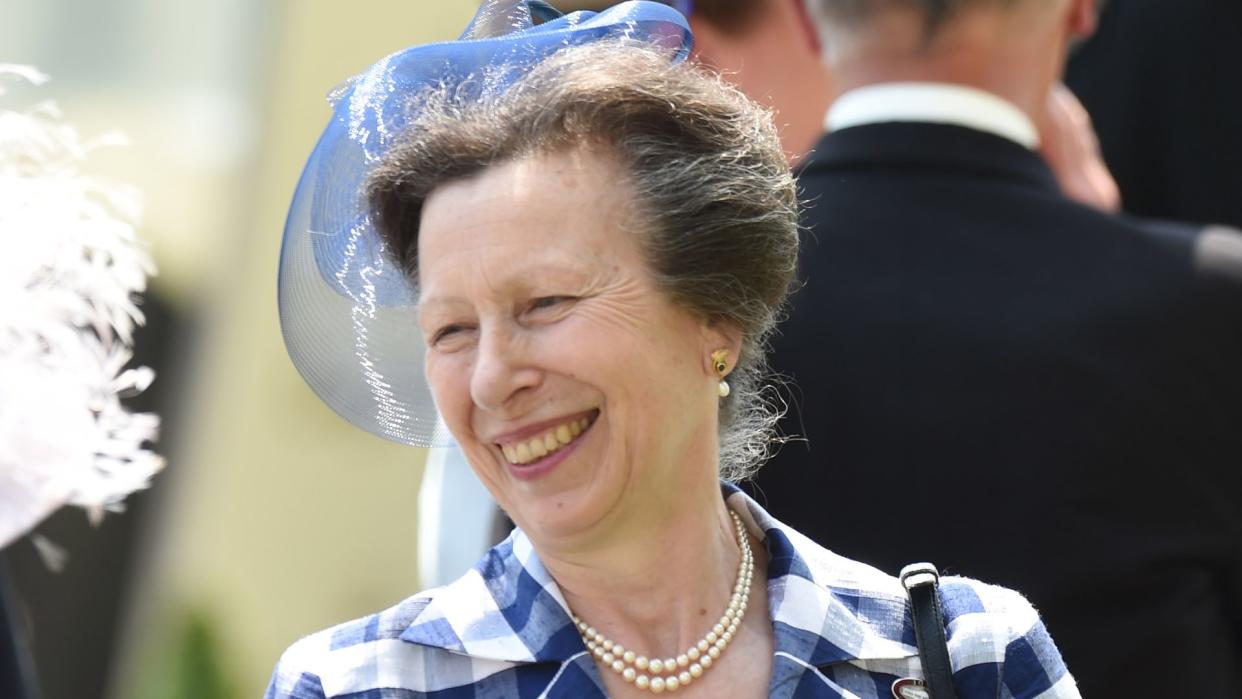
{"points": [[546, 443]]}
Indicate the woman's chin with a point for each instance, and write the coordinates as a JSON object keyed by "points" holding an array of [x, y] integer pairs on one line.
{"points": [[561, 509], [558, 527]]}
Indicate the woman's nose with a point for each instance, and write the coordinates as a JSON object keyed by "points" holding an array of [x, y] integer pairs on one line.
{"points": [[504, 370]]}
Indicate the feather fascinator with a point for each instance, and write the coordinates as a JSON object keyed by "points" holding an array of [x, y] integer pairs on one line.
{"points": [[69, 273]]}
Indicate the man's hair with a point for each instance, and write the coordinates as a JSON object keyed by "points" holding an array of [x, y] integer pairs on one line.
{"points": [[715, 200], [935, 12], [730, 16]]}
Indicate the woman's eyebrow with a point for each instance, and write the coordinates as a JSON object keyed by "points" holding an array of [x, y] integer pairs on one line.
{"points": [[439, 303], [531, 276]]}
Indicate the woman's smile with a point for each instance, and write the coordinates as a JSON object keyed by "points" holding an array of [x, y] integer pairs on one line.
{"points": [[536, 449]]}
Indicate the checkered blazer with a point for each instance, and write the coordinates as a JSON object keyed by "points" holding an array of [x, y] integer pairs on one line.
{"points": [[841, 629]]}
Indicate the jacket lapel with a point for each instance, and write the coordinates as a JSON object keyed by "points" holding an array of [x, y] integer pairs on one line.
{"points": [[507, 608]]}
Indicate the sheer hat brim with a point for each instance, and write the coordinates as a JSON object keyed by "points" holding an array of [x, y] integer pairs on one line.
{"points": [[347, 312]]}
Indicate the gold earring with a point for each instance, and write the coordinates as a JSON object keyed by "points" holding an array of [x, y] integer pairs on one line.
{"points": [[721, 366]]}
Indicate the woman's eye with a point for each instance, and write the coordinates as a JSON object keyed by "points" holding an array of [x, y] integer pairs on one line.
{"points": [[549, 302], [447, 332]]}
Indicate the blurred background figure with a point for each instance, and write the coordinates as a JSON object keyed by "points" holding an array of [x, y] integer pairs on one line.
{"points": [[1163, 83], [967, 333], [768, 49]]}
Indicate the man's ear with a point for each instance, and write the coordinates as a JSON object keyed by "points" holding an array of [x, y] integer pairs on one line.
{"points": [[706, 42], [809, 32], [1083, 18]]}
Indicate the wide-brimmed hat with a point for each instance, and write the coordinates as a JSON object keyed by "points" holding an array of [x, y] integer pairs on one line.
{"points": [[346, 309]]}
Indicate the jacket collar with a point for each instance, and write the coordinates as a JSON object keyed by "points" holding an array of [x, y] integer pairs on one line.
{"points": [[911, 147], [507, 608], [932, 102], [825, 609]]}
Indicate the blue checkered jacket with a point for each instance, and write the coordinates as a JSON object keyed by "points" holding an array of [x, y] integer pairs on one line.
{"points": [[841, 629]]}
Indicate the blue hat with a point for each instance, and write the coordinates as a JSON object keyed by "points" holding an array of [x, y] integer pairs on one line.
{"points": [[346, 309]]}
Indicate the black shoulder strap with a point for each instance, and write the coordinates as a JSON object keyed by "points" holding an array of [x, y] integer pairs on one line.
{"points": [[922, 583]]}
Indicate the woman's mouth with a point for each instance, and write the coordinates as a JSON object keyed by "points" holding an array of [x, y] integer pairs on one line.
{"points": [[547, 442]]}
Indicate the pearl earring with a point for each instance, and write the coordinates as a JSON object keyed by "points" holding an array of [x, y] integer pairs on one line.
{"points": [[722, 367]]}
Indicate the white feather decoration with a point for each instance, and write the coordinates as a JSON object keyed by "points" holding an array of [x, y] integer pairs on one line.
{"points": [[71, 266]]}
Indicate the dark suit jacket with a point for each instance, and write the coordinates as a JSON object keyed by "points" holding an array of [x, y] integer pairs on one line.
{"points": [[1162, 80], [1023, 390]]}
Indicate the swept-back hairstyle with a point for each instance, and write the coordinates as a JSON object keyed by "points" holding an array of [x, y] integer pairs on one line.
{"points": [[715, 199]]}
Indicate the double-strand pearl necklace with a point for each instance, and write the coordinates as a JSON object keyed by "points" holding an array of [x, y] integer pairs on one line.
{"points": [[670, 674]]}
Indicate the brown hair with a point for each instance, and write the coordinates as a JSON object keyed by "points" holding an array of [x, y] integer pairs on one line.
{"points": [[731, 16], [705, 164]]}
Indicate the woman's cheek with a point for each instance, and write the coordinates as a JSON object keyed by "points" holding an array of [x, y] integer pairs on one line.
{"points": [[448, 376]]}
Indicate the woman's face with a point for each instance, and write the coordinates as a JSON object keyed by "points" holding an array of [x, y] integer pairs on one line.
{"points": [[577, 390]]}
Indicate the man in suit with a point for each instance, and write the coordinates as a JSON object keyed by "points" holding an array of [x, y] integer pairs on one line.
{"points": [[754, 44], [995, 378]]}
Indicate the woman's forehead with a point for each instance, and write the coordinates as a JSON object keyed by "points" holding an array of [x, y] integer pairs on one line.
{"points": [[566, 202], [564, 180], [565, 217]]}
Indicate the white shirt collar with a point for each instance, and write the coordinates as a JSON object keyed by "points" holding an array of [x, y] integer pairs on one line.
{"points": [[939, 103]]}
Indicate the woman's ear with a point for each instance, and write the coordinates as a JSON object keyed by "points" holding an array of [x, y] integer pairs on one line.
{"points": [[721, 335]]}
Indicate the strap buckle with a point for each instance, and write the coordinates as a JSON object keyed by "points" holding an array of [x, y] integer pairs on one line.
{"points": [[919, 575]]}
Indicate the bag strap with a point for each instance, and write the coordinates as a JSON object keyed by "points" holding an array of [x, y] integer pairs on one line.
{"points": [[922, 583]]}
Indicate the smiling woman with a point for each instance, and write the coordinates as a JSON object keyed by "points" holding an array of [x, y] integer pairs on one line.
{"points": [[598, 241]]}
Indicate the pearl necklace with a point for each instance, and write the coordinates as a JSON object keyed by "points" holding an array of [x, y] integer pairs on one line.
{"points": [[670, 674]]}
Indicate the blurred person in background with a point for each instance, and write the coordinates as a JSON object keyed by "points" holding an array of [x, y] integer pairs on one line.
{"points": [[596, 239], [1035, 391], [1163, 82], [767, 49]]}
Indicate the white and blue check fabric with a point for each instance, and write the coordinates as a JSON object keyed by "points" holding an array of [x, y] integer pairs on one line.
{"points": [[842, 630]]}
